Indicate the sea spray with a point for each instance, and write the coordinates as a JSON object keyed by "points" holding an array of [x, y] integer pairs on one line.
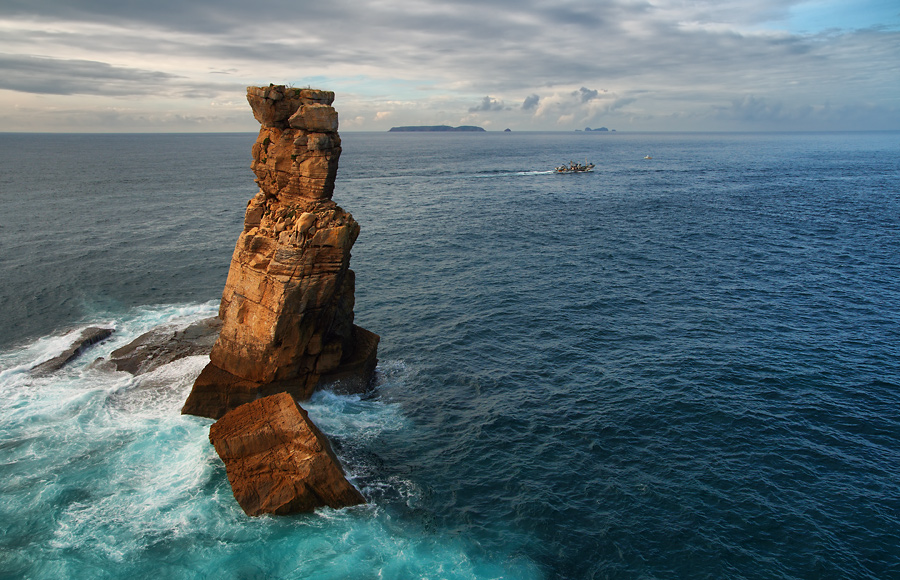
{"points": [[100, 475]]}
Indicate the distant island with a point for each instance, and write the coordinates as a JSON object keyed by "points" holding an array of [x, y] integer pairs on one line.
{"points": [[433, 128]]}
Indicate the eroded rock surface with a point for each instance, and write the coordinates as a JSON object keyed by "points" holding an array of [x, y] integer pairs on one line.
{"points": [[287, 307], [278, 461]]}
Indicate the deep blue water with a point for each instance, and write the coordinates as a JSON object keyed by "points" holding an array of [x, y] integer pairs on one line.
{"points": [[684, 367]]}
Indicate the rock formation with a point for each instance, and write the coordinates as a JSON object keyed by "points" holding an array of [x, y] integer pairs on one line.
{"points": [[277, 461], [163, 345], [287, 307], [86, 338]]}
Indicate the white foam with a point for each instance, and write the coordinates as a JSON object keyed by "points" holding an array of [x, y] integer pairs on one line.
{"points": [[143, 319], [108, 461], [121, 440], [152, 491], [352, 416], [161, 391], [18, 361], [23, 359]]}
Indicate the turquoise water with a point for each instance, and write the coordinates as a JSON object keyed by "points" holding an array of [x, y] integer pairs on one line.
{"points": [[684, 367]]}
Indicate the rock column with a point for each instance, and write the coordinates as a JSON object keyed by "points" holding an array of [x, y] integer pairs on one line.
{"points": [[287, 307]]}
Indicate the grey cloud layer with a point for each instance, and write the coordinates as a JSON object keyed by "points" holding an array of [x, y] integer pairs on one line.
{"points": [[515, 51], [32, 74], [497, 44], [51, 76]]}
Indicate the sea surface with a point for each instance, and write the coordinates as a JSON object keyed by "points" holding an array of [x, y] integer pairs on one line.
{"points": [[679, 367]]}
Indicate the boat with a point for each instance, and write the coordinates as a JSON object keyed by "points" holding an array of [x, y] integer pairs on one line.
{"points": [[573, 167], [647, 157]]}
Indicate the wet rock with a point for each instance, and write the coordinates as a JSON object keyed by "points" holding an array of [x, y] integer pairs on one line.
{"points": [[163, 345], [356, 370], [87, 338]]}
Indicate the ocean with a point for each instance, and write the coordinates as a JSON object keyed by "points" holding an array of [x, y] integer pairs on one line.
{"points": [[677, 367]]}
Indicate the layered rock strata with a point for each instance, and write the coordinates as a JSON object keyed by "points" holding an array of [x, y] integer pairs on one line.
{"points": [[287, 307], [278, 461]]}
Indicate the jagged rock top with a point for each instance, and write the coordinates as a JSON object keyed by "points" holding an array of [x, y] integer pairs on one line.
{"points": [[274, 105]]}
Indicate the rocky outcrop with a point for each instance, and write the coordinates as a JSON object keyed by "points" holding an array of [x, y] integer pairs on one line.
{"points": [[287, 315], [162, 346], [86, 338], [277, 461], [287, 307]]}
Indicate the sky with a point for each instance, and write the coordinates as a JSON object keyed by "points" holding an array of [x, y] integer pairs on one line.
{"points": [[527, 65]]}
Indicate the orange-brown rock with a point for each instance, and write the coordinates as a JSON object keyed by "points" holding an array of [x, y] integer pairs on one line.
{"points": [[278, 461], [287, 307]]}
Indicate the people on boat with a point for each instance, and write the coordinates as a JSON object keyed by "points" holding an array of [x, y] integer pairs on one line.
{"points": [[573, 167]]}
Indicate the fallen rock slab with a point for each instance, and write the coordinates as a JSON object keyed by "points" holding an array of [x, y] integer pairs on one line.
{"points": [[277, 460], [88, 337]]}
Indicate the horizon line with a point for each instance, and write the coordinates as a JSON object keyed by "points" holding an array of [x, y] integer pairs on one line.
{"points": [[503, 131]]}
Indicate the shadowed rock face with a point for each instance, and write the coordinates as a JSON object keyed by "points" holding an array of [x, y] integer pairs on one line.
{"points": [[277, 461], [287, 307]]}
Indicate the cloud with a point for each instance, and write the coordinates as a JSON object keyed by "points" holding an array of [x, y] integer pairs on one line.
{"points": [[488, 104], [32, 74], [586, 94], [773, 114], [752, 109], [118, 119], [657, 61]]}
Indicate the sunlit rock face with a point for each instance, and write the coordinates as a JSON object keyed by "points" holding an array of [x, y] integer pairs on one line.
{"points": [[277, 460], [287, 307]]}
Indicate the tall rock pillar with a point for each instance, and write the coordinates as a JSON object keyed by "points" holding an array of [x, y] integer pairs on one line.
{"points": [[287, 307]]}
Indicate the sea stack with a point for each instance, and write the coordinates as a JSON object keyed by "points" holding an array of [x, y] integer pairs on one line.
{"points": [[287, 307]]}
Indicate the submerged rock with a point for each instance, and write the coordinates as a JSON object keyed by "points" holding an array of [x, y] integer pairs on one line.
{"points": [[87, 338], [277, 460]]}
